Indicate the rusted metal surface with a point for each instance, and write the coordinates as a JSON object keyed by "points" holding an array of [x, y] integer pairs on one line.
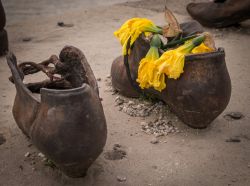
{"points": [[198, 96], [67, 125], [220, 13], [2, 16], [120, 79], [3, 33]]}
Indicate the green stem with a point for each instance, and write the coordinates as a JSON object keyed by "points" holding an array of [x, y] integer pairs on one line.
{"points": [[198, 40], [178, 42], [155, 41], [155, 30]]}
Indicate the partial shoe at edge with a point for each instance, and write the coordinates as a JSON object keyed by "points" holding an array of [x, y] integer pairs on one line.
{"points": [[219, 15], [3, 42]]}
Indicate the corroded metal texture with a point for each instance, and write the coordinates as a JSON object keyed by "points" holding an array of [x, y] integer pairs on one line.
{"points": [[3, 33], [68, 125], [120, 79], [2, 16], [220, 13], [197, 97]]}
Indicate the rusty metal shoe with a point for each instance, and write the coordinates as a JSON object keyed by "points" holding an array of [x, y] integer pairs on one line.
{"points": [[2, 16], [120, 79], [197, 97], [220, 13], [67, 125], [3, 33], [4, 42]]}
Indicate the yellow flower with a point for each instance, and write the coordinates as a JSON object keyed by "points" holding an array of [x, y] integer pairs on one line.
{"points": [[146, 71], [202, 48], [146, 68], [131, 30], [152, 71], [171, 63]]}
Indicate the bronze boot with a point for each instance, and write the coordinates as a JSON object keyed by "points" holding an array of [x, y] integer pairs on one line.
{"points": [[197, 97], [220, 13], [66, 123], [3, 33]]}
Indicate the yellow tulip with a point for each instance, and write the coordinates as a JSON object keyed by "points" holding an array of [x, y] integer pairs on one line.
{"points": [[131, 30]]}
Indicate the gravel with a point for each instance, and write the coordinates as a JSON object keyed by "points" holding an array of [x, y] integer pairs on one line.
{"points": [[162, 121], [137, 107], [109, 87], [159, 127]]}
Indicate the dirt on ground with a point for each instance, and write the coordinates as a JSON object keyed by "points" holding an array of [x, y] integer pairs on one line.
{"points": [[134, 155]]}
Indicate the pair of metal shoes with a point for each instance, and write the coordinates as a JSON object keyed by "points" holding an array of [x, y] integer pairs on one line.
{"points": [[64, 117]]}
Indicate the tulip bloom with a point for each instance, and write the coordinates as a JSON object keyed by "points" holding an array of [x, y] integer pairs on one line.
{"points": [[131, 30]]}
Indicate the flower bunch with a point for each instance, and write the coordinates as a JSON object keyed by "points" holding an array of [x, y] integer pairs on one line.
{"points": [[153, 68], [131, 30]]}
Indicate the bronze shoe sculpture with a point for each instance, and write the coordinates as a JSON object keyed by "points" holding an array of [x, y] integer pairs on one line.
{"points": [[3, 33], [220, 13], [63, 116], [197, 97]]}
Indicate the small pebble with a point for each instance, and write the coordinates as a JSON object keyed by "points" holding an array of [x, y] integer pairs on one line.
{"points": [[121, 178], [154, 141], [27, 154], [235, 140], [143, 123], [234, 180], [98, 79], [27, 39], [159, 134], [20, 167], [236, 115], [117, 146], [119, 101], [62, 24], [154, 167], [233, 116], [41, 155]]}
